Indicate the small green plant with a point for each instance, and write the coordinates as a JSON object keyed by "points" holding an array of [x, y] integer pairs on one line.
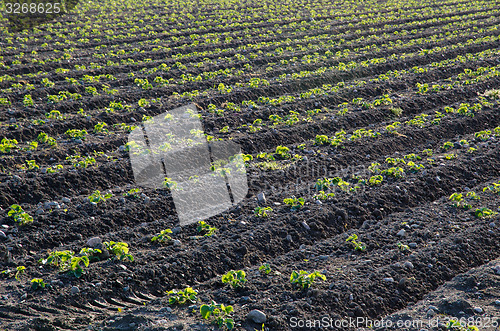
{"points": [[427, 152], [55, 115], [262, 211], [119, 249], [170, 184], [397, 111], [376, 180], [321, 195], [458, 201], [188, 295], [447, 145], [294, 203], [92, 253], [321, 140], [456, 325], [483, 135], [303, 279], [19, 272], [403, 247], [37, 283], [484, 212], [236, 278], [101, 128], [357, 245], [265, 268], [219, 314], [28, 101], [76, 134], [493, 188], [132, 193], [322, 184], [31, 165], [97, 197], [163, 236], [19, 215], [6, 145], [206, 228]]}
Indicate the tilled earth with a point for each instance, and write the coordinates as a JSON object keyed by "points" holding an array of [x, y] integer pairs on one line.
{"points": [[425, 258]]}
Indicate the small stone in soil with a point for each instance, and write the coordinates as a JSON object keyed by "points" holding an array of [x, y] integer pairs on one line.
{"points": [[257, 316], [478, 310], [75, 290]]}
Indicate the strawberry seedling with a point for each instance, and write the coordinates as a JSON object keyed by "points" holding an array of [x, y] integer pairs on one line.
{"points": [[262, 211], [303, 279], [321, 195], [403, 247], [235, 278], [459, 201], [357, 245], [484, 212], [97, 197], [19, 272], [219, 315], [294, 203], [133, 193], [19, 215], [119, 249], [206, 228], [493, 188], [375, 180], [265, 268], [188, 295], [37, 283], [163, 236]]}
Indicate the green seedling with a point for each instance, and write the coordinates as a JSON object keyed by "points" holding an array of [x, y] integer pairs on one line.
{"points": [[19, 215], [206, 228], [119, 249], [163, 236], [265, 268], [235, 278], [37, 283], [322, 184], [454, 324], [66, 261], [458, 201], [219, 315], [170, 184], [321, 195], [6, 145], [76, 134], [294, 203], [376, 180], [303, 279], [31, 165], [472, 195], [493, 188], [133, 193], [357, 245], [19, 272], [97, 197], [483, 135], [484, 212], [91, 253], [188, 295], [262, 211], [447, 145], [403, 247]]}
